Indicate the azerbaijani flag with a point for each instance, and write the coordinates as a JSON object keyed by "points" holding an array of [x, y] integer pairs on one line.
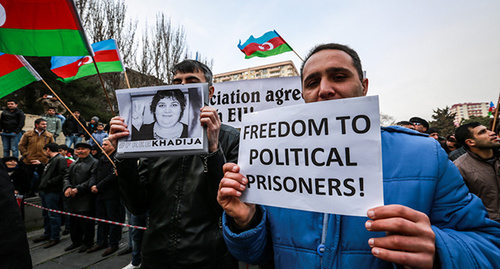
{"points": [[15, 73], [491, 109], [41, 28], [71, 68], [271, 43]]}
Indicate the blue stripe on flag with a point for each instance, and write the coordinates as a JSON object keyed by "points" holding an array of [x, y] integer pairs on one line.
{"points": [[266, 37]]}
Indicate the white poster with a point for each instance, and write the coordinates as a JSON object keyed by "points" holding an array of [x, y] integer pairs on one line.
{"points": [[163, 120], [322, 157], [233, 99]]}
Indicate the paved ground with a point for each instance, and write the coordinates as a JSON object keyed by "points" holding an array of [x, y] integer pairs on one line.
{"points": [[55, 257]]}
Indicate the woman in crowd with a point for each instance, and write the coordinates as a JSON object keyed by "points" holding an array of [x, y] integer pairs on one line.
{"points": [[167, 108]]}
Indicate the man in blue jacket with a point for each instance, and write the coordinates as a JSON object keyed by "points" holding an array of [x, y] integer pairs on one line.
{"points": [[429, 219]]}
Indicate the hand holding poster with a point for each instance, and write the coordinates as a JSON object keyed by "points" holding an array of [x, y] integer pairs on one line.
{"points": [[323, 157]]}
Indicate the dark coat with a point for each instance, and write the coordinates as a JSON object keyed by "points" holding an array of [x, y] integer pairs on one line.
{"points": [[12, 121], [72, 127], [14, 248], [180, 193], [53, 174], [105, 179], [20, 179], [78, 176]]}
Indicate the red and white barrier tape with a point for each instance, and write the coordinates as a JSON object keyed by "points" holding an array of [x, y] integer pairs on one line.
{"points": [[86, 217]]}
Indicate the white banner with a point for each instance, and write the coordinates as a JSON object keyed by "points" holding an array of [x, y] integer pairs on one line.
{"points": [[322, 157], [235, 98]]}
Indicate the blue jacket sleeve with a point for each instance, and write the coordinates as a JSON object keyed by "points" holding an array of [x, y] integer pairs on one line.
{"points": [[252, 246], [465, 236]]}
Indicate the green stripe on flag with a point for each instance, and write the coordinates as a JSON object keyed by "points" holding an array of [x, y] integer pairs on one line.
{"points": [[278, 50], [15, 80], [89, 70], [42, 42]]}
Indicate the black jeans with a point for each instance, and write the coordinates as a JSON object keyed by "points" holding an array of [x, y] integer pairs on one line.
{"points": [[112, 210]]}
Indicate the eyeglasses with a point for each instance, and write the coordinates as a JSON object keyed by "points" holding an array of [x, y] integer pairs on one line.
{"points": [[417, 123]]}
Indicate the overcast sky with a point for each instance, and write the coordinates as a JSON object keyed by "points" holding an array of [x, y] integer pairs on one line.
{"points": [[419, 55]]}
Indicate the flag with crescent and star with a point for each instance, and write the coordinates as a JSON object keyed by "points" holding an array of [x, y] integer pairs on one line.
{"points": [[41, 28], [106, 57], [15, 73], [269, 44]]}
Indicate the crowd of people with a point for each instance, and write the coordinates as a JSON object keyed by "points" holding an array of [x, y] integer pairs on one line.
{"points": [[437, 214]]}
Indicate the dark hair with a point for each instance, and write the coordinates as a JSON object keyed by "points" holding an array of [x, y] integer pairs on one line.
{"points": [[51, 108], [63, 147], [100, 124], [192, 66], [52, 146], [403, 122], [463, 132], [174, 94], [432, 130], [39, 120], [12, 100], [356, 62]]}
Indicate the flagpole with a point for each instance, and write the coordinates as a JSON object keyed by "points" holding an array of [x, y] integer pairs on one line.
{"points": [[496, 115], [126, 77], [289, 46], [104, 88], [84, 128]]}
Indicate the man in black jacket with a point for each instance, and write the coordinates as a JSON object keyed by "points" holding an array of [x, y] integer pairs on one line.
{"points": [[50, 188], [104, 184], [73, 131], [11, 126], [180, 192], [82, 201]]}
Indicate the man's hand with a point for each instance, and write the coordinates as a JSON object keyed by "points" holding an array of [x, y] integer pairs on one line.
{"points": [[35, 162], [230, 189], [210, 118], [93, 189], [410, 240], [67, 192], [117, 129], [74, 191]]}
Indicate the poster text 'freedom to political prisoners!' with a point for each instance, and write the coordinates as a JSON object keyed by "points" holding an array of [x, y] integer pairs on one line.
{"points": [[322, 157]]}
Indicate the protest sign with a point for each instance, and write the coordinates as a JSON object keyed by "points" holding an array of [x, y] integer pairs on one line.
{"points": [[322, 157], [163, 120], [235, 98]]}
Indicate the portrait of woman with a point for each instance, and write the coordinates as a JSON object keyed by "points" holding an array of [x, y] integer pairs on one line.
{"points": [[167, 108]]}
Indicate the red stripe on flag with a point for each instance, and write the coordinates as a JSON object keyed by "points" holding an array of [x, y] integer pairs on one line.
{"points": [[106, 56], [253, 47], [67, 71], [9, 63], [39, 14], [70, 70]]}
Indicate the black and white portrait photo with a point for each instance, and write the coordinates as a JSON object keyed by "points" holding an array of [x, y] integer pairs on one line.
{"points": [[162, 120]]}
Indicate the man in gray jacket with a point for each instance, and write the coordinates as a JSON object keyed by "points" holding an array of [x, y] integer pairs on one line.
{"points": [[54, 125], [51, 193], [82, 200]]}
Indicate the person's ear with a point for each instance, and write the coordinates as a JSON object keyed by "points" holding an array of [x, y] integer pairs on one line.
{"points": [[365, 86], [211, 91], [470, 142]]}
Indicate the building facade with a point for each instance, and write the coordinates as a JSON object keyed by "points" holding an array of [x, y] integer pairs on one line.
{"points": [[281, 69], [466, 110]]}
